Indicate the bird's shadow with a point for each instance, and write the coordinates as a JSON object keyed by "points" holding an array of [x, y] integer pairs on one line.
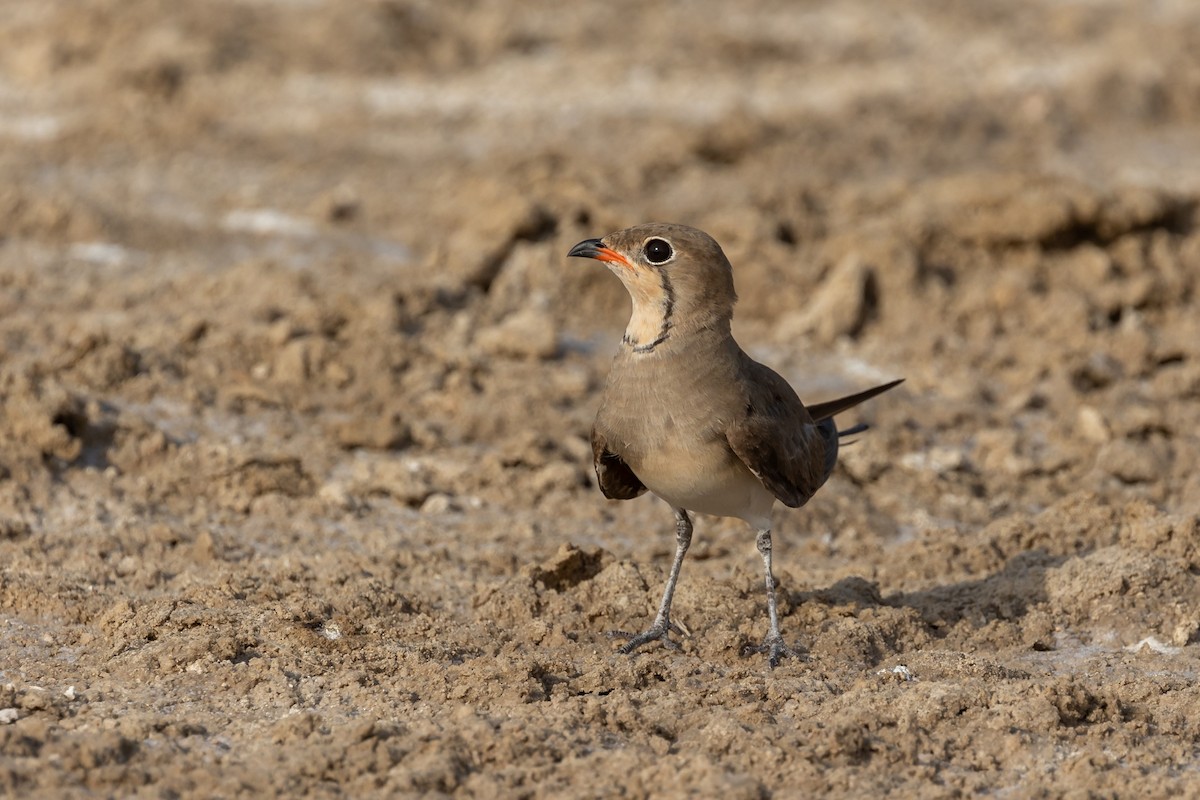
{"points": [[1006, 595]]}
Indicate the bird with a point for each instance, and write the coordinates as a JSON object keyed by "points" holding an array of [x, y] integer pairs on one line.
{"points": [[687, 415]]}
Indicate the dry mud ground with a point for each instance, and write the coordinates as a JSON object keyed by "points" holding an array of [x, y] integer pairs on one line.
{"points": [[296, 383]]}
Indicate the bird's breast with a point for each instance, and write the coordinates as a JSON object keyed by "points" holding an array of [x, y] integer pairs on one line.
{"points": [[684, 459], [708, 479]]}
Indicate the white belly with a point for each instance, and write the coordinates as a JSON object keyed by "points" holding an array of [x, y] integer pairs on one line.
{"points": [[709, 481]]}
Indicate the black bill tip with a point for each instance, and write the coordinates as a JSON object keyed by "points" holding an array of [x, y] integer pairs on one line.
{"points": [[588, 248]]}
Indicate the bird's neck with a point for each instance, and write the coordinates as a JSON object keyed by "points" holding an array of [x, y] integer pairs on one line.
{"points": [[664, 314], [650, 325], [653, 317], [659, 327]]}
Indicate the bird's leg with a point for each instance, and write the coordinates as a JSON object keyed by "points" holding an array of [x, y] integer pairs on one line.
{"points": [[662, 626], [773, 645]]}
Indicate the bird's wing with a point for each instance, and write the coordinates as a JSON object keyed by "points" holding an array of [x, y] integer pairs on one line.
{"points": [[775, 437], [615, 477]]}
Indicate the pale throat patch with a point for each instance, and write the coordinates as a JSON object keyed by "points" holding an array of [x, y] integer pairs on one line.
{"points": [[653, 308]]}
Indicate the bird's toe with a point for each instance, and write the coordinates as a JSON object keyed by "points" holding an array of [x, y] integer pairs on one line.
{"points": [[775, 648], [658, 632]]}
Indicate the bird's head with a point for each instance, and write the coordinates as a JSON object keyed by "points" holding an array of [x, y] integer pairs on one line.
{"points": [[677, 276]]}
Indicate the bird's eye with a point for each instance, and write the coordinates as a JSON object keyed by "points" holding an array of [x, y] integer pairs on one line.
{"points": [[658, 251]]}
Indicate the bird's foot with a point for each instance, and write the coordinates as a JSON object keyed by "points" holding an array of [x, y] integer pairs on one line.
{"points": [[774, 647], [660, 631]]}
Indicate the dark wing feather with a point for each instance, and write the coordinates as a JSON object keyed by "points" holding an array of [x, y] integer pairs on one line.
{"points": [[776, 439], [791, 449], [616, 479]]}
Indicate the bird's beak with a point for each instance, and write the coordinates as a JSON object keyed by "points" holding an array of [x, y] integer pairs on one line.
{"points": [[595, 248]]}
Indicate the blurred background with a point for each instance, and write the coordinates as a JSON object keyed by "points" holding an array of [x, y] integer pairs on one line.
{"points": [[288, 338]]}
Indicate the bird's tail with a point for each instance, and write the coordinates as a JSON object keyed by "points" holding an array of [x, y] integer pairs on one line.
{"points": [[823, 411]]}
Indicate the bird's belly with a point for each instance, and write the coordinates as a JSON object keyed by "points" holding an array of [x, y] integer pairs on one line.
{"points": [[709, 480]]}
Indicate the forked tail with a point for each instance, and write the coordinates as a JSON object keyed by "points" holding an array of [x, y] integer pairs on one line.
{"points": [[823, 411]]}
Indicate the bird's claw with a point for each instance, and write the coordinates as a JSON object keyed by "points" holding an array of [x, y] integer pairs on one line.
{"points": [[659, 631], [774, 647]]}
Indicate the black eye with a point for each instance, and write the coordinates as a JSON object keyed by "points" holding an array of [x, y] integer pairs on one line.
{"points": [[658, 251]]}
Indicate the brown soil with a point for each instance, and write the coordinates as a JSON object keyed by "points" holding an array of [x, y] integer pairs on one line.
{"points": [[296, 384]]}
